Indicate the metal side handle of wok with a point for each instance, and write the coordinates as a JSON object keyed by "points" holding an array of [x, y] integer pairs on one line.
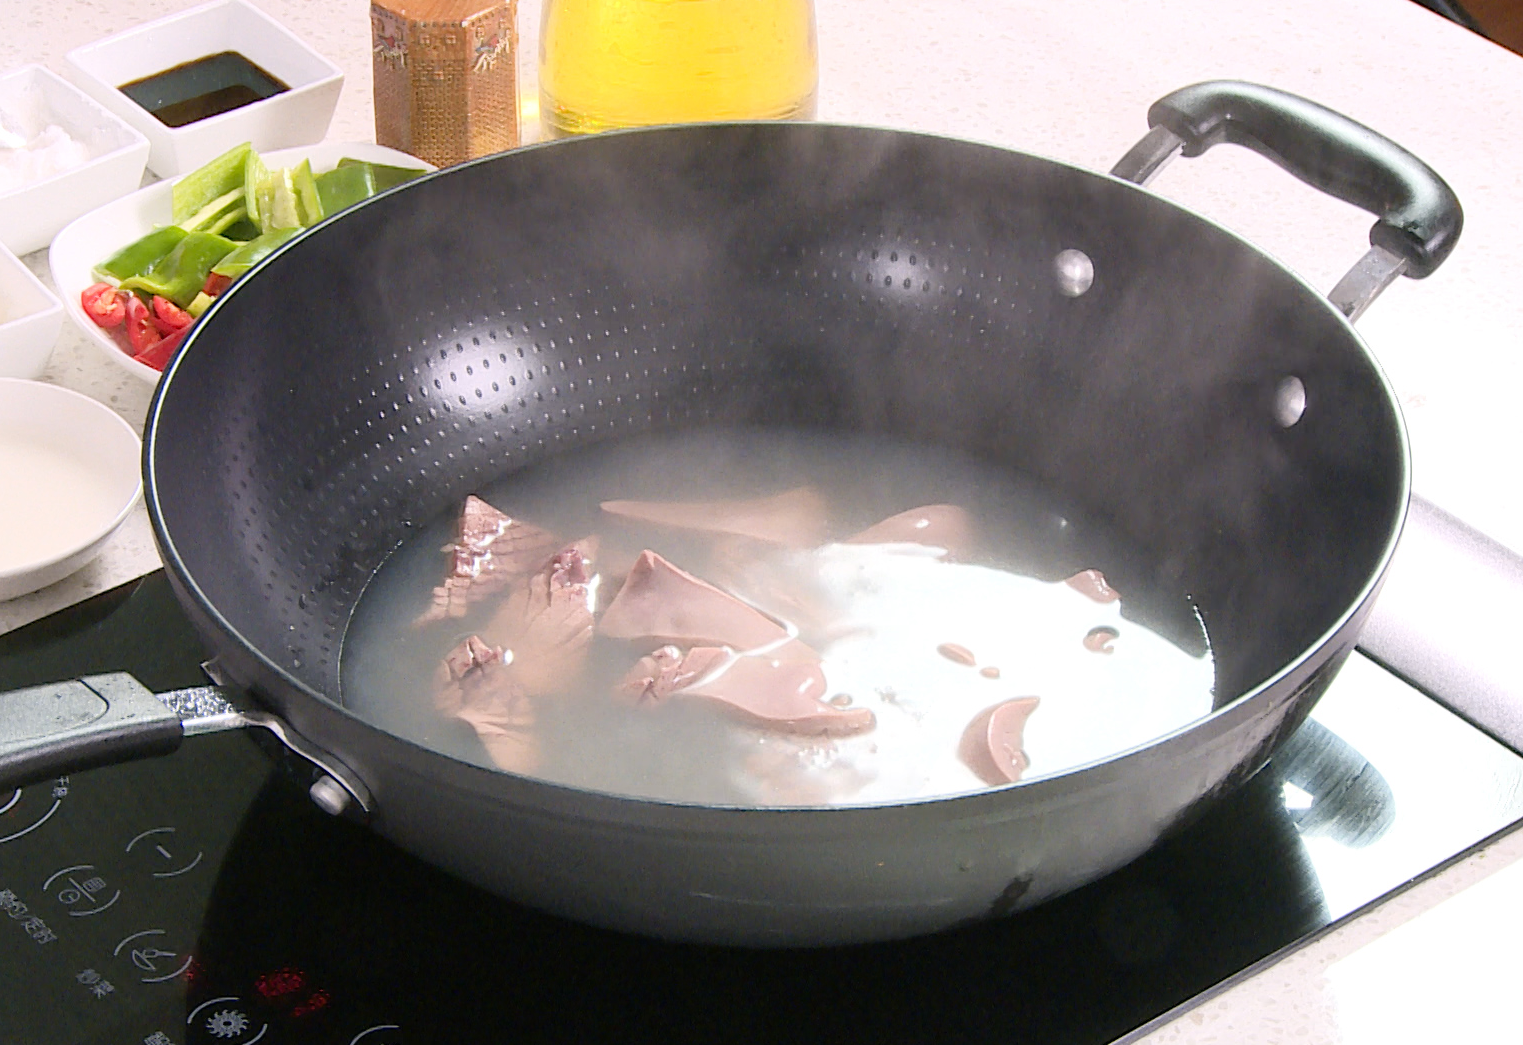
{"points": [[99, 720], [1419, 217]]}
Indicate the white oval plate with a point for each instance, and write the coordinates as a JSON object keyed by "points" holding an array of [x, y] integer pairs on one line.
{"points": [[96, 482], [93, 237]]}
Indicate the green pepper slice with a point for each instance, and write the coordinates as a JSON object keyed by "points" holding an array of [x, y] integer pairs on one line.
{"points": [[309, 204], [344, 186], [386, 176], [246, 255], [210, 181], [218, 215], [180, 274], [199, 304], [254, 175], [140, 255], [277, 201]]}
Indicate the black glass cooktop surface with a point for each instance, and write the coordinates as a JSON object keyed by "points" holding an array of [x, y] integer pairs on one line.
{"points": [[202, 898]]}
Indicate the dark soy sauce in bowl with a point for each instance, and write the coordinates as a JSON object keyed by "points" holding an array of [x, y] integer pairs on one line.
{"points": [[203, 88]]}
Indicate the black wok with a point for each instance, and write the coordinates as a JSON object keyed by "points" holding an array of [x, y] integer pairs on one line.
{"points": [[1188, 390]]}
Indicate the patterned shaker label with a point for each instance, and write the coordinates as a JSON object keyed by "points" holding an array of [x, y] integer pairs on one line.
{"points": [[492, 43], [388, 36]]}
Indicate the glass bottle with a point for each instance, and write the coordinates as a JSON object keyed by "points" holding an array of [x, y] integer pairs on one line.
{"points": [[627, 63]]}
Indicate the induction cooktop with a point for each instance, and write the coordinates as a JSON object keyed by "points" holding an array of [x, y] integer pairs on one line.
{"points": [[202, 899]]}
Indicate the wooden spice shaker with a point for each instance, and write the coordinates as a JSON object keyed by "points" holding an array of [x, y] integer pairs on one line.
{"points": [[446, 77]]}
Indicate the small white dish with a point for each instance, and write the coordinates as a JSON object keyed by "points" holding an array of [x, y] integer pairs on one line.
{"points": [[70, 473], [298, 116], [32, 100], [92, 238], [30, 318]]}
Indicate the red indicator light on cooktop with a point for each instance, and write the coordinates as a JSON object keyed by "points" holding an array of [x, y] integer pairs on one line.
{"points": [[280, 983], [283, 987], [318, 1001]]}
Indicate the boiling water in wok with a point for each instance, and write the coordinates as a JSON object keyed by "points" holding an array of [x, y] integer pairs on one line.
{"points": [[914, 639]]}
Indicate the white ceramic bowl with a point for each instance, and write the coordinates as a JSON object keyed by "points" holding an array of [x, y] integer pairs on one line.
{"points": [[30, 317], [299, 116], [69, 475], [92, 238], [31, 100]]}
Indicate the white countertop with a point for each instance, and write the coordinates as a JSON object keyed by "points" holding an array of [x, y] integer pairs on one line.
{"points": [[1073, 81]]}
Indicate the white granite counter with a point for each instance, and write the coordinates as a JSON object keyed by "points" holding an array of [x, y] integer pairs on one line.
{"points": [[1073, 81]]}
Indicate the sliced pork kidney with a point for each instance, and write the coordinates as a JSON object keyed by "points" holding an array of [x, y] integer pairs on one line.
{"points": [[476, 685], [545, 625], [943, 526], [1092, 584], [664, 671], [782, 694], [490, 551], [992, 745], [663, 602], [534, 646], [795, 518]]}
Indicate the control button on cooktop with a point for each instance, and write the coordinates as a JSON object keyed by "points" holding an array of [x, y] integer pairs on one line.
{"points": [[82, 890], [226, 1021], [24, 810], [163, 854], [154, 956]]}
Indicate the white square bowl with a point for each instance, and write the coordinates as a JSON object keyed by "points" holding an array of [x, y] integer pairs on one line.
{"points": [[31, 213], [298, 116], [30, 318]]}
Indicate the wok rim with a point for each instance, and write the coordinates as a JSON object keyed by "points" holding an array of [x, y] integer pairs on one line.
{"points": [[490, 779]]}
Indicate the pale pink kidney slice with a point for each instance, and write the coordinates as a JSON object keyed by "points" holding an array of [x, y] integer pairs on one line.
{"points": [[490, 551], [944, 526], [992, 745], [545, 624], [794, 518], [664, 602], [476, 685], [782, 694], [1092, 583]]}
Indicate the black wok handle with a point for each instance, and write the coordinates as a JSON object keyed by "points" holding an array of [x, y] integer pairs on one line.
{"points": [[1419, 215], [65, 727]]}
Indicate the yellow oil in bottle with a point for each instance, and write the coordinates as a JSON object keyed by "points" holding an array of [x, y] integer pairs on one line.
{"points": [[629, 63]]}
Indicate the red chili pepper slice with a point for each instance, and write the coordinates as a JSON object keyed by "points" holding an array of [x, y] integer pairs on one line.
{"points": [[141, 331], [103, 304], [157, 354], [215, 284], [170, 317]]}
